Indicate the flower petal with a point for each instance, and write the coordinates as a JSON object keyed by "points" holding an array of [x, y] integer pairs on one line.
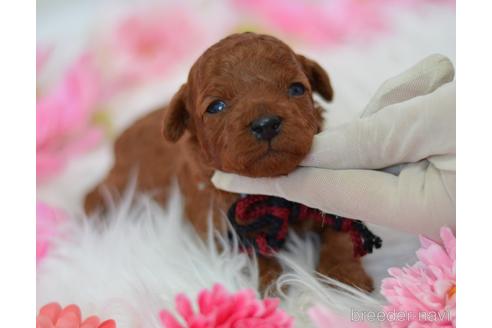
{"points": [[91, 322], [51, 311], [108, 324], [168, 320]]}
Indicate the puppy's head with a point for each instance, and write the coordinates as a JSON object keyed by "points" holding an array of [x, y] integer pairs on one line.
{"points": [[249, 103]]}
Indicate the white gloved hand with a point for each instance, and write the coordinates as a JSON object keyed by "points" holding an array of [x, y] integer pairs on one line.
{"points": [[411, 121]]}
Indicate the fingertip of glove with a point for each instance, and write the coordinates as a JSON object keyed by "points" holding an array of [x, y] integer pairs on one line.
{"points": [[438, 59], [218, 178], [441, 63]]}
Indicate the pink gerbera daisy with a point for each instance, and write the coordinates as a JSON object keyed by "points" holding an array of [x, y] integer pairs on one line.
{"points": [[426, 291], [219, 308], [52, 315]]}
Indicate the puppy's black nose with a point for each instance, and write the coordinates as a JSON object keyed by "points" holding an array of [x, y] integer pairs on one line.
{"points": [[266, 127]]}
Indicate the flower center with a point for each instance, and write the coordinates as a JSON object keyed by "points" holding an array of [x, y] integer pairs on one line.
{"points": [[451, 291]]}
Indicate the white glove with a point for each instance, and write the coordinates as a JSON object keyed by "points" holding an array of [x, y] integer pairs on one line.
{"points": [[411, 119]]}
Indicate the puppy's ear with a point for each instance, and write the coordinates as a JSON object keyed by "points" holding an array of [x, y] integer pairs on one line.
{"points": [[176, 117], [320, 82]]}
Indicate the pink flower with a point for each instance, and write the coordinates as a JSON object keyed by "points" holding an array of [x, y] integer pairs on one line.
{"points": [[319, 22], [47, 221], [425, 292], [324, 23], [63, 118], [151, 42], [53, 316], [218, 308], [324, 318]]}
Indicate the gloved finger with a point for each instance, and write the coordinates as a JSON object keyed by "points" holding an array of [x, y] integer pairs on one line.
{"points": [[414, 201], [405, 132], [341, 192], [422, 78]]}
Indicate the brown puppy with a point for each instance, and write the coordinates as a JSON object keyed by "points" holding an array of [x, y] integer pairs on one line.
{"points": [[246, 108]]}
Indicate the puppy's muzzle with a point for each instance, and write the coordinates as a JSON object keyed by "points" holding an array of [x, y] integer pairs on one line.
{"points": [[266, 127]]}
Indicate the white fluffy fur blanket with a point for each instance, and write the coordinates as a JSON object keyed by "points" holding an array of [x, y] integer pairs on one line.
{"points": [[132, 265]]}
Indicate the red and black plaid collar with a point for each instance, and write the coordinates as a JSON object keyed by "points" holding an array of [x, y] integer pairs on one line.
{"points": [[262, 224]]}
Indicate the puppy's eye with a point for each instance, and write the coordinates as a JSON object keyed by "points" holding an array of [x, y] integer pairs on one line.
{"points": [[216, 107], [296, 89]]}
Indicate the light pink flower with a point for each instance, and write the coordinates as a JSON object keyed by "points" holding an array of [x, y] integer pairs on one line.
{"points": [[52, 315], [324, 23], [63, 118], [219, 308], [47, 223], [151, 42], [425, 292], [318, 22], [324, 318]]}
